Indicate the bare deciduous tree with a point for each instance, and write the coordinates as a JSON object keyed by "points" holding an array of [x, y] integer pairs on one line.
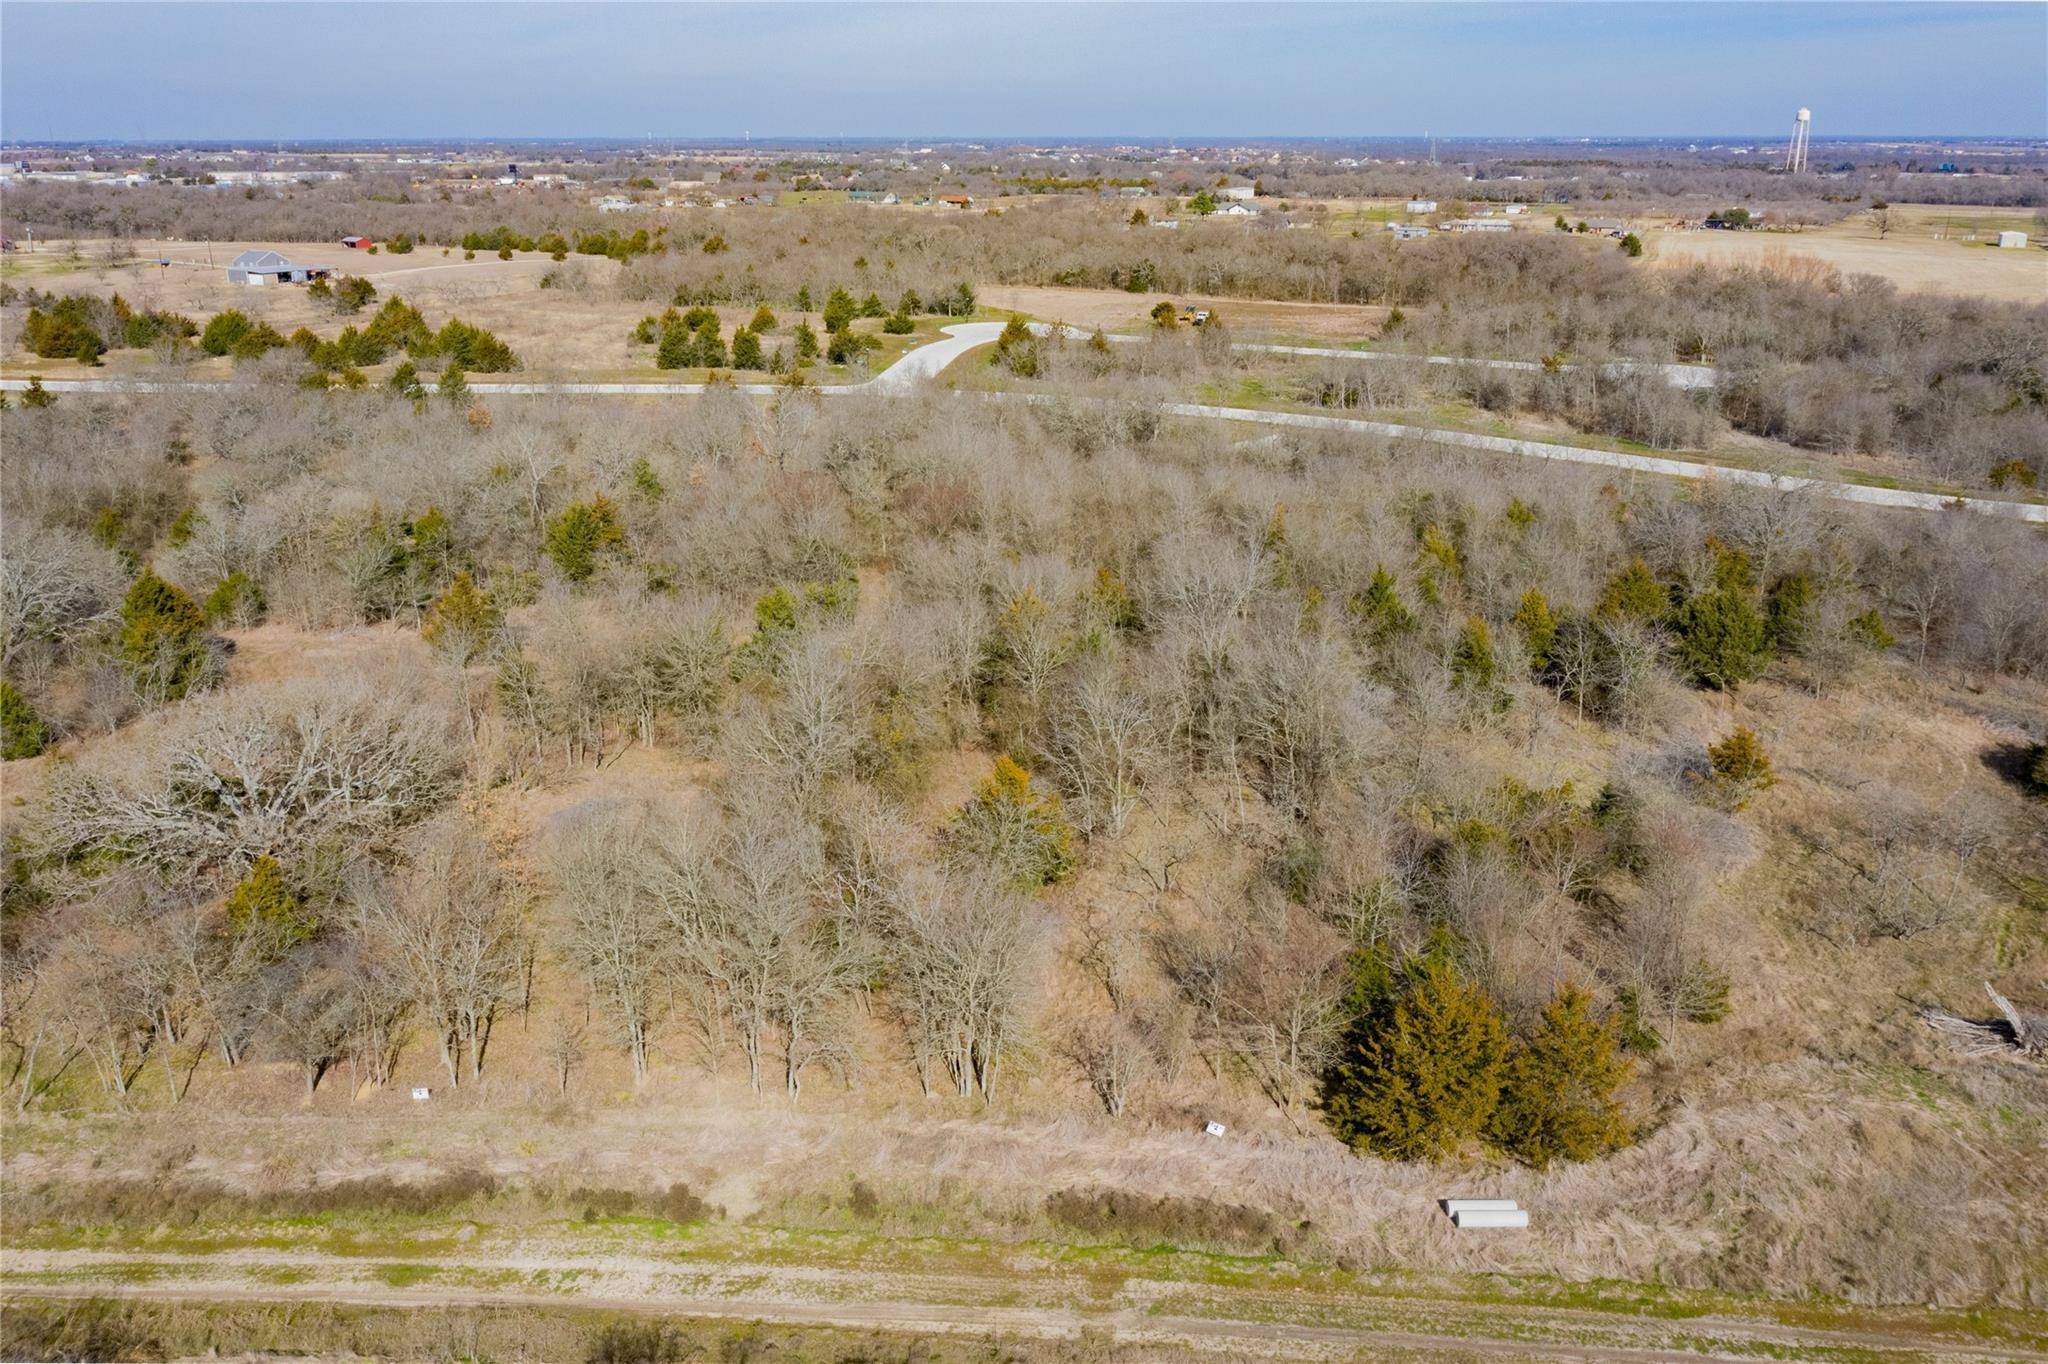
{"points": [[1308, 720], [1910, 872], [966, 952], [611, 920], [451, 928], [272, 769], [53, 584], [1266, 990], [810, 733], [1113, 1056], [563, 1046], [1103, 743]]}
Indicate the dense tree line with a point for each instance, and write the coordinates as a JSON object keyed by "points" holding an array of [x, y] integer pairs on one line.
{"points": [[1950, 390]]}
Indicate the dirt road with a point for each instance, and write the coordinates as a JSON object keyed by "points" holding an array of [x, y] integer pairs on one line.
{"points": [[1113, 308], [1257, 1325]]}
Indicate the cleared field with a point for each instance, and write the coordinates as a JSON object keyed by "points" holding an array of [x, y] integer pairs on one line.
{"points": [[578, 324], [1115, 310], [1932, 248]]}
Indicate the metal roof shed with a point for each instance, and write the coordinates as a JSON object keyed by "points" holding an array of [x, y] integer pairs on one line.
{"points": [[259, 267]]}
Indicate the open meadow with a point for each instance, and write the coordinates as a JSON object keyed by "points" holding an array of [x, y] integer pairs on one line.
{"points": [[1927, 248]]}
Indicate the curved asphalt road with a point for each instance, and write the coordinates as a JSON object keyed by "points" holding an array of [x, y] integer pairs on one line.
{"points": [[1678, 376], [925, 362]]}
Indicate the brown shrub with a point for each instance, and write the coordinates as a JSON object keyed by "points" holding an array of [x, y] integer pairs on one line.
{"points": [[1138, 1220]]}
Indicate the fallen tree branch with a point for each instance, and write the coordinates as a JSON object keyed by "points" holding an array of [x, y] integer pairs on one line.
{"points": [[2013, 1035]]}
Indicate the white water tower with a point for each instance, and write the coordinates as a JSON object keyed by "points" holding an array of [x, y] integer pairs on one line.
{"points": [[1802, 131]]}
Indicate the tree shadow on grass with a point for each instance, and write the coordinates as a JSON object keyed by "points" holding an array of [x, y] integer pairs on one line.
{"points": [[2015, 764]]}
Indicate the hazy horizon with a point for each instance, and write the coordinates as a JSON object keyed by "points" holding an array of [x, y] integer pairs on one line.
{"points": [[1195, 74], [257, 141]]}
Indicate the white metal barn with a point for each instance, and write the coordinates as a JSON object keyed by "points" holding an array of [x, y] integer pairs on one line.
{"points": [[2011, 240], [268, 267]]}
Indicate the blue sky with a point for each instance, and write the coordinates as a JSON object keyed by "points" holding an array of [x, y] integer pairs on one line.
{"points": [[338, 70]]}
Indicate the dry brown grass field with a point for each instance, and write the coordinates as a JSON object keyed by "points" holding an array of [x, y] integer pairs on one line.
{"points": [[1932, 248], [580, 327]]}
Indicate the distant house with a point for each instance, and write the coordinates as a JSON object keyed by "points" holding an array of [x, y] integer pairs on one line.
{"points": [[1613, 227], [956, 200], [1515, 210], [268, 267], [1407, 231], [356, 243], [1236, 211], [1422, 205], [1478, 225]]}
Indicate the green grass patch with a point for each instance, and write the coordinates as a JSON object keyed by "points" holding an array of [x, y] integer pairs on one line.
{"points": [[405, 1275]]}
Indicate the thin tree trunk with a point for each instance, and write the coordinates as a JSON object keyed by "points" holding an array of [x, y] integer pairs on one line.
{"points": [[28, 1071]]}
